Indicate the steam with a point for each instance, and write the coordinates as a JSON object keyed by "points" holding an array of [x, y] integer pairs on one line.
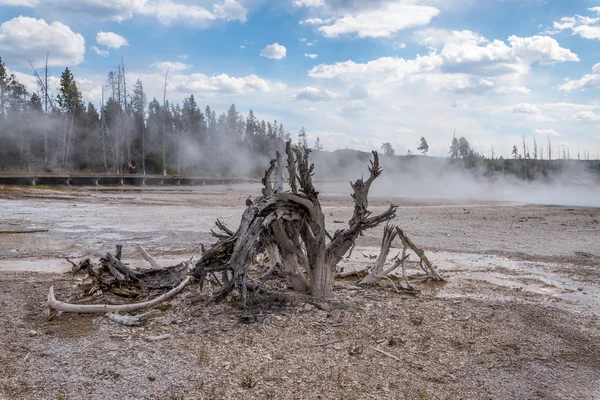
{"points": [[428, 179]]}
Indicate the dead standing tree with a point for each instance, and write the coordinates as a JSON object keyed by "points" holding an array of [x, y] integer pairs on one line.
{"points": [[288, 225]]}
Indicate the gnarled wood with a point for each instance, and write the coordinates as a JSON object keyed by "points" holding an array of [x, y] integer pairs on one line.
{"points": [[56, 305]]}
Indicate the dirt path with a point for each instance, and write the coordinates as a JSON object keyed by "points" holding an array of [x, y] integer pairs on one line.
{"points": [[518, 319]]}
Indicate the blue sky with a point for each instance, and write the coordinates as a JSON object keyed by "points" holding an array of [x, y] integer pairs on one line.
{"points": [[354, 73]]}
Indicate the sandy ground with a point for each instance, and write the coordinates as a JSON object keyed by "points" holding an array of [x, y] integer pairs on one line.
{"points": [[519, 317]]}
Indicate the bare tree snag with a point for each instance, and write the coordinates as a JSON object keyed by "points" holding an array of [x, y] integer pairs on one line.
{"points": [[378, 271], [430, 270]]}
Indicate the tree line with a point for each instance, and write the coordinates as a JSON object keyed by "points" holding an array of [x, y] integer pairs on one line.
{"points": [[127, 132], [537, 161]]}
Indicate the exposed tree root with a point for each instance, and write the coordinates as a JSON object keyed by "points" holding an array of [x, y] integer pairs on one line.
{"points": [[288, 225], [55, 305]]}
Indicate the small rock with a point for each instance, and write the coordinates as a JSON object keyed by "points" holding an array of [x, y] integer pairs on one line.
{"points": [[226, 364], [33, 333], [151, 378], [308, 307], [278, 318]]}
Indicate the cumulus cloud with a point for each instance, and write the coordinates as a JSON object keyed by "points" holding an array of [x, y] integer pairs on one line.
{"points": [[19, 3], [165, 11], [274, 51], [381, 22], [103, 53], [314, 94], [585, 27], [111, 39], [171, 66], [309, 3], [386, 67], [542, 49], [315, 21], [116, 10], [531, 112], [359, 92], [588, 81], [587, 116], [546, 132], [224, 84], [353, 106], [230, 10], [525, 108], [459, 62], [313, 56], [23, 39], [168, 12]]}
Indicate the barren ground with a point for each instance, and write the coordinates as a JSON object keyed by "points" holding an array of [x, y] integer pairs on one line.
{"points": [[519, 317]]}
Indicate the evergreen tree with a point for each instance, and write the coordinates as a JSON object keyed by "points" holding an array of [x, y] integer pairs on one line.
{"points": [[138, 103], [464, 148], [318, 146], [388, 150], [424, 147], [515, 152], [302, 138], [454, 148]]}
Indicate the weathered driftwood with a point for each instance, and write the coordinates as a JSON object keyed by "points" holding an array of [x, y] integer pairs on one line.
{"points": [[291, 227], [288, 225], [55, 305], [429, 270], [378, 271], [113, 275]]}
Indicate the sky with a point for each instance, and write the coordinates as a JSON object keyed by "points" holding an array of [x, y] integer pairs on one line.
{"points": [[354, 73]]}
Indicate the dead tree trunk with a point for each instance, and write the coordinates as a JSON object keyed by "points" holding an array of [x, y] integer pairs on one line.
{"points": [[289, 225], [295, 223]]}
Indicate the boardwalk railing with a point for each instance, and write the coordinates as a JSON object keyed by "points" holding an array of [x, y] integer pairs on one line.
{"points": [[43, 178]]}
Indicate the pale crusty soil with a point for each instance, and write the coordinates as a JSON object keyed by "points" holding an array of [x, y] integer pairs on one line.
{"points": [[518, 319]]}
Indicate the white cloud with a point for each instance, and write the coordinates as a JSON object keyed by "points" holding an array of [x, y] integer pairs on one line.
{"points": [[168, 12], [386, 67], [313, 56], [103, 53], [530, 112], [230, 10], [315, 21], [202, 84], [585, 27], [353, 106], [546, 132], [19, 3], [23, 39], [116, 10], [587, 116], [171, 66], [274, 51], [588, 81], [525, 108], [314, 94], [309, 3], [542, 49], [183, 56], [111, 39], [381, 22]]}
